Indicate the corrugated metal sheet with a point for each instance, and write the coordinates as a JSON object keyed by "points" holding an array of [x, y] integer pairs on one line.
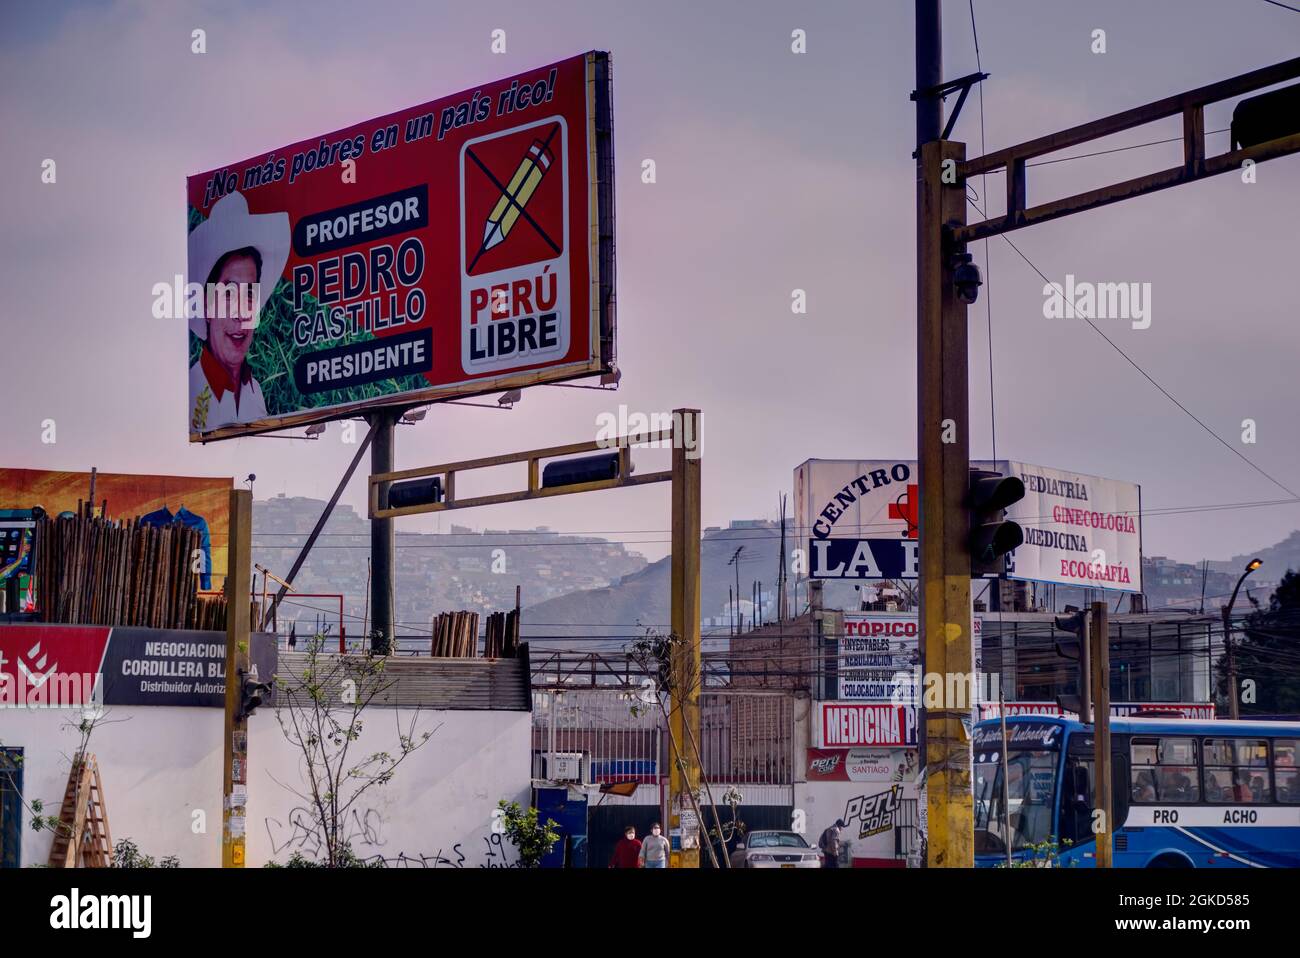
{"points": [[428, 683]]}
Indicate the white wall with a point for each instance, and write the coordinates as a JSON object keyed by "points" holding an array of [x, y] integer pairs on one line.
{"points": [[824, 802], [160, 765]]}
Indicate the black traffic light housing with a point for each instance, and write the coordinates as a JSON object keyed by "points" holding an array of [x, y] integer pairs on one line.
{"points": [[252, 694], [415, 492], [569, 472], [992, 535], [1269, 116], [1076, 623]]}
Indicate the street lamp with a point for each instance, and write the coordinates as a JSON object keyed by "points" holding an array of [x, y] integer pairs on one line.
{"points": [[1233, 710]]}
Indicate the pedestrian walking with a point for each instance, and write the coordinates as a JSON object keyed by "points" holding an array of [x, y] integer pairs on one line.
{"points": [[627, 853], [654, 850], [830, 845]]}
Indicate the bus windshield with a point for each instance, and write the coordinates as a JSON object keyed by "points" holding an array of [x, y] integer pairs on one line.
{"points": [[1031, 787]]}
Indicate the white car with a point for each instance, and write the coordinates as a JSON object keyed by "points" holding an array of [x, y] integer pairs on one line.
{"points": [[775, 849]]}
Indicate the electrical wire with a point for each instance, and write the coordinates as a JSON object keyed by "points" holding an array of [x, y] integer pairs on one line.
{"points": [[1236, 452]]}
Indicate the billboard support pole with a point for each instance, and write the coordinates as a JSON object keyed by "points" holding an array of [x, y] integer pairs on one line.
{"points": [[320, 526], [382, 460], [234, 770]]}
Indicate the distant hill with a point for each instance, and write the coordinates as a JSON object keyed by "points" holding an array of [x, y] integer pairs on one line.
{"points": [[1278, 558], [609, 617]]}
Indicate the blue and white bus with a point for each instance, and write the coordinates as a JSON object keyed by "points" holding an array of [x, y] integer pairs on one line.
{"points": [[1188, 793]]}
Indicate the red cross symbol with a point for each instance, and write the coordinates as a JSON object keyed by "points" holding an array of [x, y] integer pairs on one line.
{"points": [[906, 507]]}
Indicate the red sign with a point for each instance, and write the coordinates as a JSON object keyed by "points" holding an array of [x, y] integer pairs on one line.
{"points": [[458, 247], [849, 724], [51, 665]]}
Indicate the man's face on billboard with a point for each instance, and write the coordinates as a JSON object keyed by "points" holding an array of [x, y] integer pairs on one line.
{"points": [[230, 330]]}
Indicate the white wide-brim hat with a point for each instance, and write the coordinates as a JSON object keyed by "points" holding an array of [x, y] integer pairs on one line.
{"points": [[230, 227]]}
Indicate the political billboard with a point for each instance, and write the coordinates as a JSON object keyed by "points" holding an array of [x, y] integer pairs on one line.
{"points": [[860, 519], [458, 247]]}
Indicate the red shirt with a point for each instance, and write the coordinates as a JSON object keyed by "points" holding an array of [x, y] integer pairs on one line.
{"points": [[626, 853]]}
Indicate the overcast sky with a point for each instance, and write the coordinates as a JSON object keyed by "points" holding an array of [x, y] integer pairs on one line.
{"points": [[776, 171]]}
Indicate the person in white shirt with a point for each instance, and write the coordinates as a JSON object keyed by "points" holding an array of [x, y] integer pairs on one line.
{"points": [[654, 849]]}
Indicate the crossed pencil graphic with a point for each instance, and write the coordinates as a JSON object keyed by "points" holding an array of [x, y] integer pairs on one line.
{"points": [[523, 184]]}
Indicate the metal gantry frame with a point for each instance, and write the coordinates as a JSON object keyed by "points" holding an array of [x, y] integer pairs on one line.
{"points": [[942, 369], [684, 719]]}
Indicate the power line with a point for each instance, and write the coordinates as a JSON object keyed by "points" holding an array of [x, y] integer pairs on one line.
{"points": [[1284, 6], [1236, 452]]}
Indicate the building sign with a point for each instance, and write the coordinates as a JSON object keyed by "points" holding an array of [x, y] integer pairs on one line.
{"points": [[454, 248], [1191, 710], [58, 666], [861, 764], [864, 558], [860, 520], [879, 659], [1079, 530], [848, 725]]}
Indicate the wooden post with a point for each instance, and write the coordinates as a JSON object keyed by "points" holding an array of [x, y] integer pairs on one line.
{"points": [[944, 467], [684, 779], [1099, 637], [234, 770]]}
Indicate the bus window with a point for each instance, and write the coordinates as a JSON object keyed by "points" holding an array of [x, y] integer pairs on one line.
{"points": [[1165, 771], [1286, 771], [1236, 771]]}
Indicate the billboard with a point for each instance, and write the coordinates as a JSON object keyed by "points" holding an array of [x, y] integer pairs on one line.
{"points": [[462, 246], [68, 666], [860, 520], [200, 502]]}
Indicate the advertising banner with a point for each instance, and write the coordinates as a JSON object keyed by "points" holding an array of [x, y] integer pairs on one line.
{"points": [[861, 764], [69, 666], [851, 724], [458, 247], [860, 520], [200, 502], [1079, 530]]}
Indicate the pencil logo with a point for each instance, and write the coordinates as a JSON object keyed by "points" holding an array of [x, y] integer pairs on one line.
{"points": [[515, 201], [523, 184]]}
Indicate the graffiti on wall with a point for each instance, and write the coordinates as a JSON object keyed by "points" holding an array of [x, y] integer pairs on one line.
{"points": [[363, 831]]}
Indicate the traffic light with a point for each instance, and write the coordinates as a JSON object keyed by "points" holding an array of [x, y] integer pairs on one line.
{"points": [[1077, 623], [992, 535], [1269, 116], [569, 472], [252, 693], [415, 492]]}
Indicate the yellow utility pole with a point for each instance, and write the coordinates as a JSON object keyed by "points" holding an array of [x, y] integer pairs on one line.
{"points": [[234, 770], [1099, 639], [944, 466], [684, 780]]}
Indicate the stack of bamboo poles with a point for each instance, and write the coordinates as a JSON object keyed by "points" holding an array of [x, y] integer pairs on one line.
{"points": [[502, 638], [455, 635], [97, 571]]}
